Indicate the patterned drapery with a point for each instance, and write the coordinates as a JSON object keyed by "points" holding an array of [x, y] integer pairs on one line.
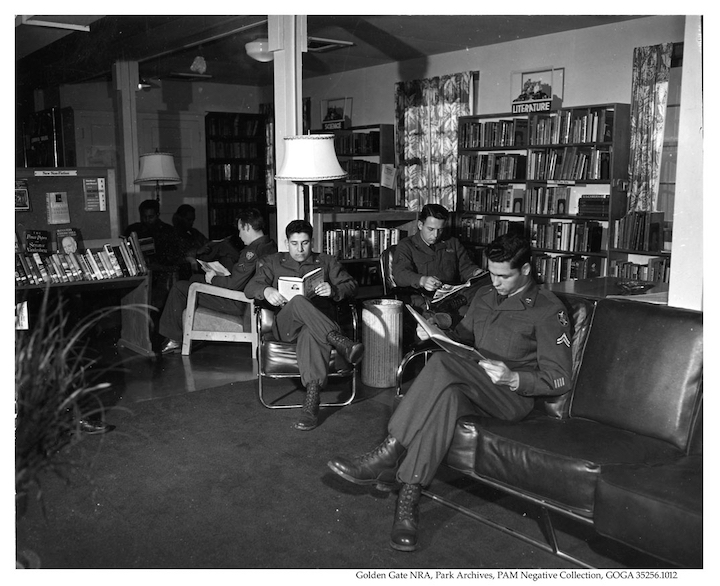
{"points": [[426, 115], [651, 70]]}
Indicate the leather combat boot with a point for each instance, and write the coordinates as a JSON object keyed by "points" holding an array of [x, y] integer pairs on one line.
{"points": [[379, 466], [311, 407], [348, 349], [403, 536]]}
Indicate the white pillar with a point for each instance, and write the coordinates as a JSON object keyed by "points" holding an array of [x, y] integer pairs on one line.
{"points": [[287, 36], [686, 266]]}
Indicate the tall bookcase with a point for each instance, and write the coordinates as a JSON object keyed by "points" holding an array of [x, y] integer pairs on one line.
{"points": [[236, 164], [558, 177], [355, 219]]}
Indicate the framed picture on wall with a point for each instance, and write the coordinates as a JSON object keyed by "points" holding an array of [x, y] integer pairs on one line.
{"points": [[336, 113], [537, 90]]}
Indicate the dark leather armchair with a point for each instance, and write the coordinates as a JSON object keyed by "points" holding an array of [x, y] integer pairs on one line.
{"points": [[278, 360]]}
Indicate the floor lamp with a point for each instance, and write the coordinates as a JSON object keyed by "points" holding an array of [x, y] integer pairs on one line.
{"points": [[310, 159], [157, 168]]}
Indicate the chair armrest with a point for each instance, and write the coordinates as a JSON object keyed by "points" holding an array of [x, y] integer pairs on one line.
{"points": [[219, 292]]}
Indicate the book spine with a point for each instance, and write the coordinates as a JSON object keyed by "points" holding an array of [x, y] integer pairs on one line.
{"points": [[41, 268], [114, 264], [90, 256], [125, 253]]}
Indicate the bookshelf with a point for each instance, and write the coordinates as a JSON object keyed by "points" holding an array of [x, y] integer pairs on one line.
{"points": [[236, 166], [557, 177]]}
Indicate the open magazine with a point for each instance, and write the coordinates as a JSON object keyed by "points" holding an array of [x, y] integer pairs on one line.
{"points": [[446, 343], [213, 265], [447, 290]]}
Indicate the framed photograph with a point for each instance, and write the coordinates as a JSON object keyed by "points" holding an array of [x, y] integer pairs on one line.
{"points": [[22, 196], [336, 113], [537, 90]]}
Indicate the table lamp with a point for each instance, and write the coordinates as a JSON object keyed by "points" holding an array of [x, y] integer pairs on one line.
{"points": [[310, 159], [158, 168]]}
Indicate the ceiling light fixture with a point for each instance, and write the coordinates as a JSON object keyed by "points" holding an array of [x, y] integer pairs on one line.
{"points": [[259, 49]]}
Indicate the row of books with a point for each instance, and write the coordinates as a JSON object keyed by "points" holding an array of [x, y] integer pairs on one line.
{"points": [[360, 243], [235, 171], [235, 126], [657, 269], [109, 262], [225, 194], [492, 199], [548, 200], [557, 268], [357, 143], [235, 149], [347, 196], [572, 126], [587, 236], [492, 166], [485, 230], [569, 164], [360, 170], [493, 133], [594, 205], [640, 231]]}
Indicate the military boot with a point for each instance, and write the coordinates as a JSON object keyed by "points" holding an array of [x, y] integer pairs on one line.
{"points": [[311, 408], [378, 466], [404, 534], [347, 348]]}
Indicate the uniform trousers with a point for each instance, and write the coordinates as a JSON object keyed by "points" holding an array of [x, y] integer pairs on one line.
{"points": [[445, 390], [171, 320], [301, 323]]}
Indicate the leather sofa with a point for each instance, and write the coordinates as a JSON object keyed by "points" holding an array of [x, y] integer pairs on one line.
{"points": [[622, 451]]}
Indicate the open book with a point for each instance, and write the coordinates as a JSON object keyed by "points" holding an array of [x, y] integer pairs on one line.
{"points": [[446, 343], [447, 290], [213, 265], [305, 285]]}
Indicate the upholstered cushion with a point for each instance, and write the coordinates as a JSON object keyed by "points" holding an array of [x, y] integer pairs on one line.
{"points": [[642, 370], [656, 509], [556, 459]]}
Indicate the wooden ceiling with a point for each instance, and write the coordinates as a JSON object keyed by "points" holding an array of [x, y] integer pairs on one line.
{"points": [[166, 46]]}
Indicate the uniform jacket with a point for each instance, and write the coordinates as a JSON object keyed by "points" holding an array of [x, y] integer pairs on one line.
{"points": [[282, 264], [530, 332], [244, 269], [447, 260]]}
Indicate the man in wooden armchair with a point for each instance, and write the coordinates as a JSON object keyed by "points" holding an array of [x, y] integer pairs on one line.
{"points": [[251, 226], [306, 320]]}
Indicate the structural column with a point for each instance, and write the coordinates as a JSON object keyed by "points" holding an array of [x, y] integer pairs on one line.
{"points": [[287, 36]]}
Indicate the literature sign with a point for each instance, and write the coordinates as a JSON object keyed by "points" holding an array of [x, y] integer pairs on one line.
{"points": [[539, 90]]}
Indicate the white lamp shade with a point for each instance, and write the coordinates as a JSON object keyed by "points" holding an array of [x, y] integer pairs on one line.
{"points": [[309, 159], [158, 168], [259, 50]]}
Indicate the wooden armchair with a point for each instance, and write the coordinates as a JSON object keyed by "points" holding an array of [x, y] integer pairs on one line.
{"points": [[202, 323]]}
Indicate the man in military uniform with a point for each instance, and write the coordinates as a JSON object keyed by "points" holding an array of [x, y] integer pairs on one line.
{"points": [[307, 321], [426, 262], [251, 226], [523, 332]]}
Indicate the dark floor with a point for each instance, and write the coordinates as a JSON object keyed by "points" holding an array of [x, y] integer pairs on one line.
{"points": [[161, 382]]}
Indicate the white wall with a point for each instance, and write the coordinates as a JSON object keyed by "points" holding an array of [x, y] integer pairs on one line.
{"points": [[597, 62]]}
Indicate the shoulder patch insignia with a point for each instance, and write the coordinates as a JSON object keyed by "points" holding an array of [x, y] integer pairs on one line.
{"points": [[563, 318], [563, 340], [249, 255]]}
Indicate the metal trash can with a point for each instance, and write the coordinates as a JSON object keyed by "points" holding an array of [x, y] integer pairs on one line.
{"points": [[382, 336]]}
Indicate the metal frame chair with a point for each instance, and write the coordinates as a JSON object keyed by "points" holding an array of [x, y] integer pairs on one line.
{"points": [[278, 360]]}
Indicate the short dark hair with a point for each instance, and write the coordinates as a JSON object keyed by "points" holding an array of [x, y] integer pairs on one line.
{"points": [[510, 247], [434, 210], [149, 204], [253, 217], [184, 209], [299, 227]]}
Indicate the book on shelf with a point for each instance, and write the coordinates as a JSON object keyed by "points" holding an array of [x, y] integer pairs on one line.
{"points": [[69, 240], [305, 285], [446, 291], [37, 241], [213, 266], [444, 341]]}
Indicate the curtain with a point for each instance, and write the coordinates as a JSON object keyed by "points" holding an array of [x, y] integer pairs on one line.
{"points": [[426, 116], [651, 70]]}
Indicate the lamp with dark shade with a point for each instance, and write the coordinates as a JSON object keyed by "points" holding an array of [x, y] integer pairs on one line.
{"points": [[158, 168], [310, 159]]}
